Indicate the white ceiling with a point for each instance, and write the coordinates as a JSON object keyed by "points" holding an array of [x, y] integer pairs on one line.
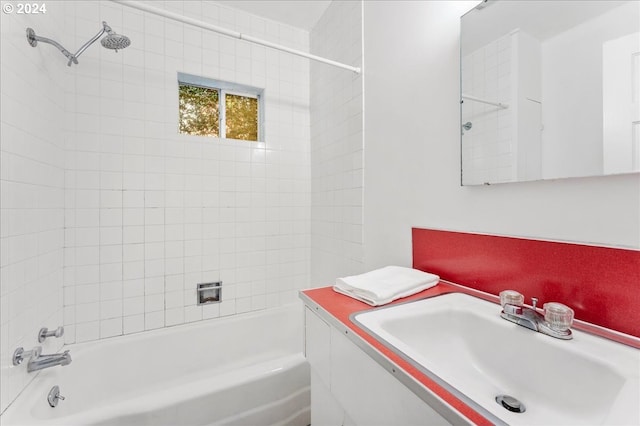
{"points": [[540, 19], [297, 13]]}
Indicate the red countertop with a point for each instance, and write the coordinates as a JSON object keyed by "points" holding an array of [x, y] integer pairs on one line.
{"points": [[340, 307]]}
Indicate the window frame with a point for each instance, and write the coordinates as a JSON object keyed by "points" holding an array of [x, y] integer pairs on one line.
{"points": [[224, 88]]}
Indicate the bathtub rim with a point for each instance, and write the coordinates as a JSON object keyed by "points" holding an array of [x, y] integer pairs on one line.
{"points": [[176, 328]]}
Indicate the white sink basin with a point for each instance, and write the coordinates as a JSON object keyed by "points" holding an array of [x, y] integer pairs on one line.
{"points": [[462, 342]]}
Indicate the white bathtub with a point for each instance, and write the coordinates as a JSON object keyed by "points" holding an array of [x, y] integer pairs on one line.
{"points": [[242, 370]]}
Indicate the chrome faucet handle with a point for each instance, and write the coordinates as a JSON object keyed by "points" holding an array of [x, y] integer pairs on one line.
{"points": [[20, 354], [44, 333], [512, 309], [534, 303]]}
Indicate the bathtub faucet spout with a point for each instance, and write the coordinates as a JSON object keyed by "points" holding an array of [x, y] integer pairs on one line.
{"points": [[51, 360]]}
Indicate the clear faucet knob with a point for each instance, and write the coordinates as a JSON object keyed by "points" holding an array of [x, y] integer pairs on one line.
{"points": [[511, 297], [558, 316]]}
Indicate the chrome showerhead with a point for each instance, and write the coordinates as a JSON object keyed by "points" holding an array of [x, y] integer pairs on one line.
{"points": [[115, 41], [112, 40]]}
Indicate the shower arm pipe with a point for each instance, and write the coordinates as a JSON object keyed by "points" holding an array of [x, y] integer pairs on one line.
{"points": [[184, 19], [33, 38], [484, 101], [87, 44]]}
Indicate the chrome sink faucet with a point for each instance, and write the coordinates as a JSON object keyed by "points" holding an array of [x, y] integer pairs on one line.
{"points": [[555, 322], [39, 361]]}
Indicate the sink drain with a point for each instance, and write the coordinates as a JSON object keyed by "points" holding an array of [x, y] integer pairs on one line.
{"points": [[510, 403]]}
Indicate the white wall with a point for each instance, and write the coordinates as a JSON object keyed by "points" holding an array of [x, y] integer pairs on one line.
{"points": [[151, 213], [31, 190], [412, 152], [572, 92], [621, 147], [336, 146], [528, 108]]}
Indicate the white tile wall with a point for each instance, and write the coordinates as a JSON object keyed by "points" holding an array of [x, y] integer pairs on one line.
{"points": [[151, 213], [336, 146], [488, 148], [109, 217], [31, 190]]}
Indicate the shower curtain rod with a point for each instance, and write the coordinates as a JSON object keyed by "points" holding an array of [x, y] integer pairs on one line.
{"points": [[484, 101], [177, 17]]}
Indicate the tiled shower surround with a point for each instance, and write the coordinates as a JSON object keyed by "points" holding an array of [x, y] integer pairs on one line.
{"points": [[110, 218], [337, 149], [149, 213], [32, 191]]}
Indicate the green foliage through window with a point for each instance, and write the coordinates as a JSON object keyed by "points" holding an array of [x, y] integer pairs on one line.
{"points": [[201, 113], [241, 117]]}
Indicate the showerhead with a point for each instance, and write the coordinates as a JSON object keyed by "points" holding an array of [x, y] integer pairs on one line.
{"points": [[115, 41], [112, 40]]}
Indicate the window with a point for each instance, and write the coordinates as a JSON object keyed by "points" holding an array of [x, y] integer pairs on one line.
{"points": [[219, 109], [199, 110]]}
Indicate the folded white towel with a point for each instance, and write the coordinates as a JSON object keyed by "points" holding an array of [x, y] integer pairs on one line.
{"points": [[385, 285]]}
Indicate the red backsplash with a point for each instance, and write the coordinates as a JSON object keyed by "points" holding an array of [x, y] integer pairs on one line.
{"points": [[601, 284]]}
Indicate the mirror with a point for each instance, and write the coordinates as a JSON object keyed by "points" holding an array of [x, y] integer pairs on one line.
{"points": [[549, 89]]}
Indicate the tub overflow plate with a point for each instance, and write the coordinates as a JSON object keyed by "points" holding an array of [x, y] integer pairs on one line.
{"points": [[54, 396]]}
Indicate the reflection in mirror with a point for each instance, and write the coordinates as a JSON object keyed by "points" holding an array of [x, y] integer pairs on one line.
{"points": [[549, 89]]}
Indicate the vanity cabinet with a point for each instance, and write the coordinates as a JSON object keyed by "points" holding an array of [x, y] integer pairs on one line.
{"points": [[349, 388]]}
